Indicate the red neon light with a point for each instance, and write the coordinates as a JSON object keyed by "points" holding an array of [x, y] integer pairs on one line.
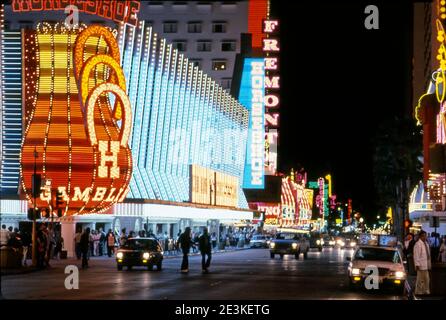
{"points": [[258, 10]]}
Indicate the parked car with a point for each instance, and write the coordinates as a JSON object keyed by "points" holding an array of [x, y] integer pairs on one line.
{"points": [[140, 252], [259, 241], [289, 243]]}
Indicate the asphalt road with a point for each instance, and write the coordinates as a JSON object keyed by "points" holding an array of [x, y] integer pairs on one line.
{"points": [[243, 274]]}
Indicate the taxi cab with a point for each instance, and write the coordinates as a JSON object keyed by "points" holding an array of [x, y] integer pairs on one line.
{"points": [[378, 251]]}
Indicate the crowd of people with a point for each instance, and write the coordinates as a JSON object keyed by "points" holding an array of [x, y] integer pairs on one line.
{"points": [[49, 243]]}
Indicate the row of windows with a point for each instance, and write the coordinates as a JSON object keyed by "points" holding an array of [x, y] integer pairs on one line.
{"points": [[194, 26], [206, 45]]}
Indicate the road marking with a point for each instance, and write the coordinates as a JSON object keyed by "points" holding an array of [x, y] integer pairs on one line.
{"points": [[215, 283]]}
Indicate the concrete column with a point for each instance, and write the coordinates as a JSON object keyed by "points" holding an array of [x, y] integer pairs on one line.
{"points": [[68, 229]]}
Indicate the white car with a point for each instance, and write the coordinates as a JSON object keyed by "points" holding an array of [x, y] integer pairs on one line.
{"points": [[259, 241], [387, 260]]}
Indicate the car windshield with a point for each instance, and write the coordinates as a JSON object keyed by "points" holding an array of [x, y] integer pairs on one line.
{"points": [[377, 254], [258, 238], [141, 244], [287, 236]]}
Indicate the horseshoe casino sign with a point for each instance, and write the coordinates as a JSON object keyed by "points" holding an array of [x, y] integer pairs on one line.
{"points": [[80, 136]]}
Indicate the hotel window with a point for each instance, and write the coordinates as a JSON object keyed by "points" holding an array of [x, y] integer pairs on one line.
{"points": [[180, 45], [219, 65], [204, 45], [226, 83], [194, 27], [219, 26], [196, 62], [170, 27], [228, 45]]}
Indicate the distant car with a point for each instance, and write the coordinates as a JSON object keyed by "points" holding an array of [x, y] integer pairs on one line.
{"points": [[316, 241], [145, 252], [350, 243], [388, 260], [289, 243], [329, 241], [259, 241], [340, 242]]}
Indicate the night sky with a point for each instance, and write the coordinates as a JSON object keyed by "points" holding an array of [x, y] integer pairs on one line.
{"points": [[338, 80]]}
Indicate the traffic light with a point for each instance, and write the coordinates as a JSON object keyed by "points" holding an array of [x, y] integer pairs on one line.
{"points": [[59, 198]]}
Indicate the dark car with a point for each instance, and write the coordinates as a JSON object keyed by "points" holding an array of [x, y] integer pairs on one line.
{"points": [[145, 252], [316, 241], [289, 243]]}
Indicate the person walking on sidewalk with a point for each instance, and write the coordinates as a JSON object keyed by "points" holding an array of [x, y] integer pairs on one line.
{"points": [[442, 255], [185, 243], [111, 240], [77, 240], [85, 247], [206, 250], [422, 260]]}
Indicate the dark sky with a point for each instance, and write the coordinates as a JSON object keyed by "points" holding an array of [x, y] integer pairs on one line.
{"points": [[338, 80]]}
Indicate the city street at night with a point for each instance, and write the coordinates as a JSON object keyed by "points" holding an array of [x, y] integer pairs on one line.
{"points": [[233, 276]]}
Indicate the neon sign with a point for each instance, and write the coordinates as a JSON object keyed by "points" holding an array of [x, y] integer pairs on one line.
{"points": [[72, 126], [116, 10], [252, 96], [271, 50]]}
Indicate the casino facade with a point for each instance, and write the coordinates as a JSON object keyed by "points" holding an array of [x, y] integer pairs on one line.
{"points": [[123, 129]]}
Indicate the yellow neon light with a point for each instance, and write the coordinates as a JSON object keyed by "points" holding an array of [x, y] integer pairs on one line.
{"points": [[89, 65], [127, 117], [94, 30], [440, 78]]}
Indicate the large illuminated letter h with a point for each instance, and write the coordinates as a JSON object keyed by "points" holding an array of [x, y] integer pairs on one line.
{"points": [[106, 157]]}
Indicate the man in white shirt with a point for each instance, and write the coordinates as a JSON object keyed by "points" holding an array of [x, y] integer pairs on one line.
{"points": [[422, 260]]}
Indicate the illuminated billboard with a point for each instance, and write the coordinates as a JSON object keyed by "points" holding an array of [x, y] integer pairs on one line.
{"points": [[72, 137], [214, 188], [251, 95]]}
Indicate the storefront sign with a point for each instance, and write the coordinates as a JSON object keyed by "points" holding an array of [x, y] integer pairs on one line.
{"points": [[213, 188], [116, 10]]}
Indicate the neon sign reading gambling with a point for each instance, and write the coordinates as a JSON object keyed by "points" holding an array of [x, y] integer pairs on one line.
{"points": [[116, 10]]}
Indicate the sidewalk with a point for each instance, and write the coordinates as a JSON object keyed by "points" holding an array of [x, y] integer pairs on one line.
{"points": [[167, 255], [438, 284]]}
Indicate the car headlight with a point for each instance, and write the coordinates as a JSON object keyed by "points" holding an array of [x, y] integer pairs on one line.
{"points": [[294, 245], [352, 244], [119, 255], [146, 256], [272, 245], [331, 242], [356, 271], [318, 241], [341, 243], [400, 274]]}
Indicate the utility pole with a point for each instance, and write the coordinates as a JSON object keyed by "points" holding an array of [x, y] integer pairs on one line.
{"points": [[34, 258]]}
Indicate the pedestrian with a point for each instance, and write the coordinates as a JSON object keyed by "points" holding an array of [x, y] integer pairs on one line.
{"points": [[102, 241], [123, 238], [214, 240], [51, 244], [42, 241], [422, 259], [206, 250], [10, 232], [166, 242], [408, 252], [85, 247], [442, 254], [59, 245], [185, 243], [111, 240], [77, 240], [26, 242], [4, 236], [435, 246]]}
